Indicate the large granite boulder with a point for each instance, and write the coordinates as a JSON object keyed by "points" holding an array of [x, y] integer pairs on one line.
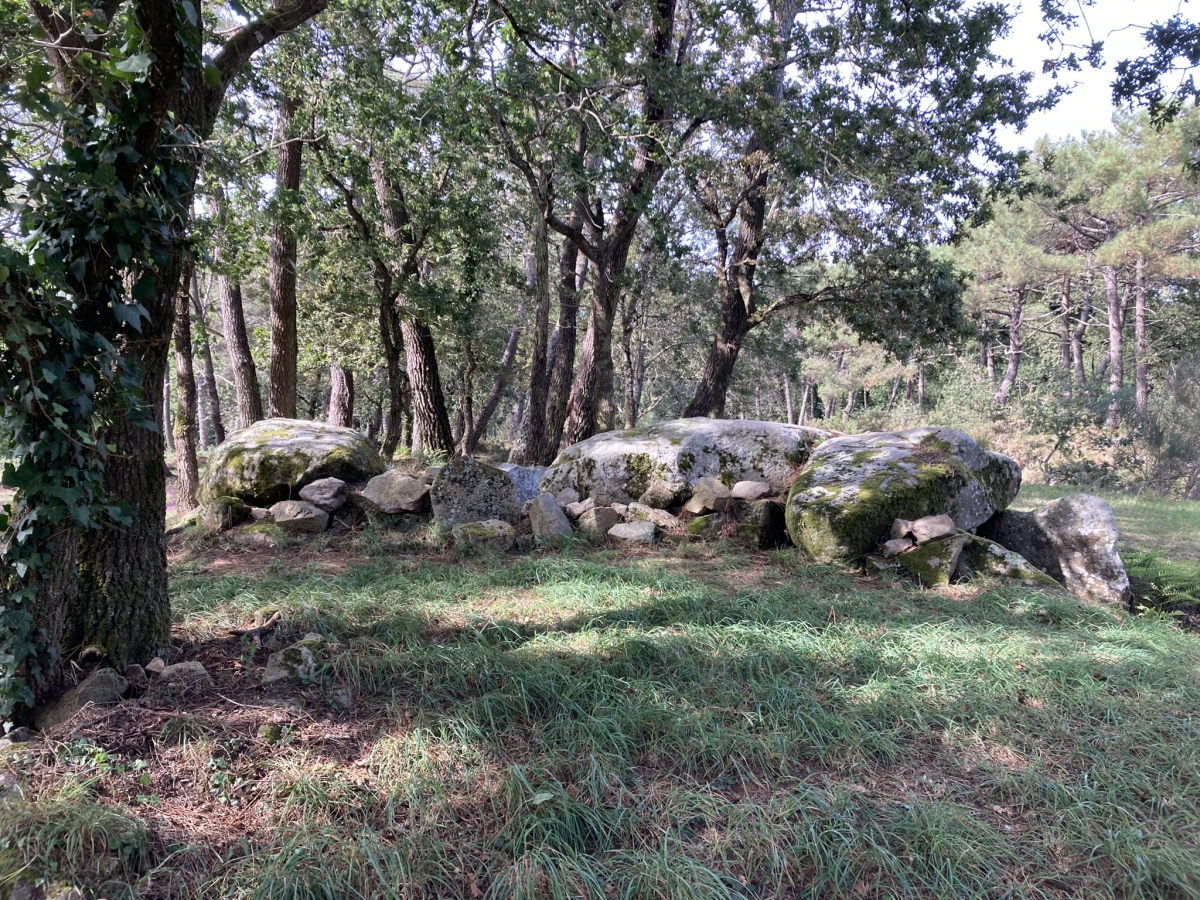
{"points": [[665, 460], [525, 479], [467, 490], [1073, 540], [273, 459], [843, 503]]}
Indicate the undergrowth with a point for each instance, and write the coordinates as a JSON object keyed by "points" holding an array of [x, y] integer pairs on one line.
{"points": [[693, 723]]}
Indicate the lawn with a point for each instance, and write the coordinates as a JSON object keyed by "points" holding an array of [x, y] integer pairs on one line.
{"points": [[692, 722]]}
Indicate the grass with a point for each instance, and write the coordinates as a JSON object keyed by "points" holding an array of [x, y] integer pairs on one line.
{"points": [[687, 723]]}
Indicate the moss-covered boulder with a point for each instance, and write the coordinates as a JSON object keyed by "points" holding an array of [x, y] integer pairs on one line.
{"points": [[620, 466], [934, 562], [491, 534], [982, 558], [843, 503], [273, 459]]}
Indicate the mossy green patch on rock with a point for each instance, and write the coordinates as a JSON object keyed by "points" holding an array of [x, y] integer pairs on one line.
{"points": [[272, 459], [934, 563], [620, 466], [985, 558], [844, 501]]}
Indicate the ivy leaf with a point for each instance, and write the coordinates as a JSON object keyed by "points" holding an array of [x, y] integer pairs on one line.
{"points": [[137, 64]]}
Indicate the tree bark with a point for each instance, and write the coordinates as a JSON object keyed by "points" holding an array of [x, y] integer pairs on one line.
{"points": [[431, 422], [478, 425], [282, 275], [392, 338], [186, 427], [241, 361], [1064, 314], [530, 447], [341, 396], [1085, 315], [1141, 367], [1015, 346], [209, 387], [1116, 371], [573, 267], [168, 432]]}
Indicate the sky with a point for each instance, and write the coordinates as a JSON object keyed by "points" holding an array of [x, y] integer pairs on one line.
{"points": [[1089, 106]]}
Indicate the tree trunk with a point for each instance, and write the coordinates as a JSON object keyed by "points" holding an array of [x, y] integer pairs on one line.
{"points": [[1064, 319], [209, 388], [921, 387], [185, 419], [392, 338], [477, 427], [45, 668], [787, 399], [1141, 370], [284, 347], [241, 361], [341, 396], [1116, 371], [1085, 315], [431, 422], [805, 392], [895, 390], [1015, 346], [168, 432], [122, 604], [572, 276], [530, 447]]}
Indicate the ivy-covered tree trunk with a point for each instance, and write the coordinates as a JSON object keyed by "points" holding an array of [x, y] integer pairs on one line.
{"points": [[282, 276], [341, 396], [186, 426], [431, 422], [241, 361], [122, 603]]}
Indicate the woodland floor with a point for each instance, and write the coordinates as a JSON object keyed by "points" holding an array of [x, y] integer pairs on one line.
{"points": [[680, 723]]}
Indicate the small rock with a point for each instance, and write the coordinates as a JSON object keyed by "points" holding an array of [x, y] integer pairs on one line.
{"points": [[620, 508], [877, 565], [639, 512], [930, 528], [660, 496], [934, 562], [190, 672], [223, 513], [294, 662], [342, 699], [394, 492], [155, 666], [708, 495], [896, 546], [136, 676], [567, 496], [548, 521], [21, 735], [258, 514], [10, 787], [762, 525], [577, 509], [705, 527], [636, 533], [329, 494], [300, 516], [490, 534], [750, 490], [256, 540], [269, 733], [102, 688], [595, 523]]}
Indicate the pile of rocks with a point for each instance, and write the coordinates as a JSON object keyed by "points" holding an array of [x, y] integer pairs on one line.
{"points": [[930, 500]]}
